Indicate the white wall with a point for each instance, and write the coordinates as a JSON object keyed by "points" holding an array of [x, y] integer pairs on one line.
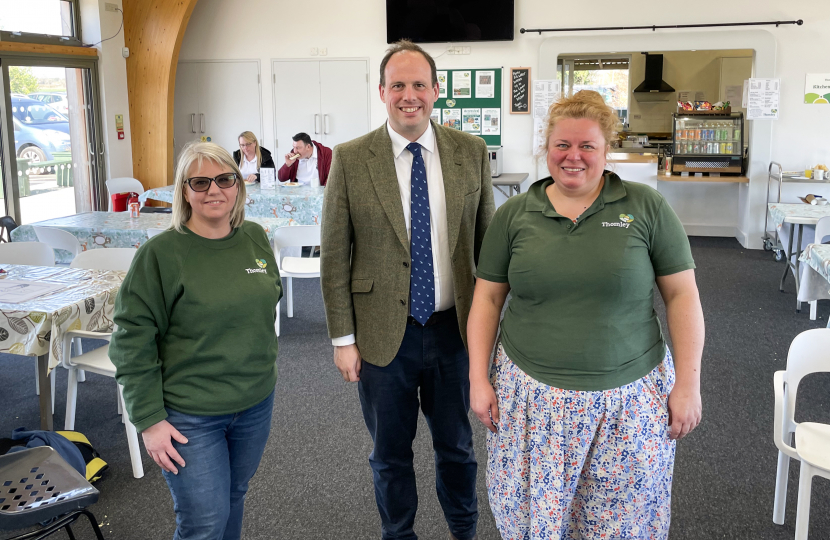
{"points": [[98, 24], [234, 29]]}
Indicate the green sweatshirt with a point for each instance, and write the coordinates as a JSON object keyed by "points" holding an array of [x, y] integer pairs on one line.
{"points": [[196, 325]]}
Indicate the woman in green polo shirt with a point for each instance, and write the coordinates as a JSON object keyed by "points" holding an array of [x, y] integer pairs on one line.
{"points": [[196, 348], [585, 401]]}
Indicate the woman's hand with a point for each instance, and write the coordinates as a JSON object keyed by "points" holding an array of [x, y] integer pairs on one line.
{"points": [[251, 178], [157, 441], [485, 404], [685, 411]]}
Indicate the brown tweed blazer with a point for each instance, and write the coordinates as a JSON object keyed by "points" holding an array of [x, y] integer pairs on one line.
{"points": [[365, 247]]}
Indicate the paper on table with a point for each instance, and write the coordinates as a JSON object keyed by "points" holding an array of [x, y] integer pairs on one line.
{"points": [[15, 291]]}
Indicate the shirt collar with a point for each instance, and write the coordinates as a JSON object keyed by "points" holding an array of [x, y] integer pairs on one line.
{"points": [[399, 142], [537, 199]]}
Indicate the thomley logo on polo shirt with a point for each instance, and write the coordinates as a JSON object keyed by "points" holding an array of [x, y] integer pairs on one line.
{"points": [[625, 221], [261, 270]]}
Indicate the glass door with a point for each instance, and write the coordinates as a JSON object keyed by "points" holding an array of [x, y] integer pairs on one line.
{"points": [[56, 148]]}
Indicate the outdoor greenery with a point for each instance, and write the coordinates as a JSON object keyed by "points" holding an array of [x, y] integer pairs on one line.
{"points": [[22, 80]]}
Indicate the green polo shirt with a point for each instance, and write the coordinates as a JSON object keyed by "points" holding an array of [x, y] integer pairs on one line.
{"points": [[581, 314]]}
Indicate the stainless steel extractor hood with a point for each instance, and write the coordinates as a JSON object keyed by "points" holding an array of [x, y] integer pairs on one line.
{"points": [[653, 83]]}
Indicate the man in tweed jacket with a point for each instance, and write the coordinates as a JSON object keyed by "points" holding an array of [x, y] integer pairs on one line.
{"points": [[403, 348]]}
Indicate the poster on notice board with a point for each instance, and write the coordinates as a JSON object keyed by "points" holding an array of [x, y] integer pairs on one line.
{"points": [[442, 84]]}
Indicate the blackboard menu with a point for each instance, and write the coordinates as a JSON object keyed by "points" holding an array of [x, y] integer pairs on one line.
{"points": [[519, 90]]}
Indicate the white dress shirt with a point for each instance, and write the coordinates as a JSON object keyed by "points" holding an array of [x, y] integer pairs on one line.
{"points": [[441, 262], [307, 173], [248, 167]]}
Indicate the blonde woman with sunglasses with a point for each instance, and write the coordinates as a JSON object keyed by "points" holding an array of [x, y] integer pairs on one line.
{"points": [[195, 348]]}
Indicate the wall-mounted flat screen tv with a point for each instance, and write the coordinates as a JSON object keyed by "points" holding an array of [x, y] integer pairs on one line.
{"points": [[437, 21]]}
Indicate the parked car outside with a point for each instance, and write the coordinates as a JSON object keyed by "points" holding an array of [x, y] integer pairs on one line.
{"points": [[39, 130], [56, 100]]}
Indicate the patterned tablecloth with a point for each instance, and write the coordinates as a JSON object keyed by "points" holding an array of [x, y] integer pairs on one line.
{"points": [[780, 211], [116, 229], [818, 257], [37, 326], [302, 204]]}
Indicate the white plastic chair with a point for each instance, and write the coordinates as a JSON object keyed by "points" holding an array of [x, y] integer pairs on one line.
{"points": [[58, 239], [822, 237], [96, 361], [122, 185], [105, 259], [809, 353], [295, 267], [152, 232], [29, 253]]}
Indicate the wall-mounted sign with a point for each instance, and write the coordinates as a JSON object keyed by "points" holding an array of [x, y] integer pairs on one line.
{"points": [[763, 98], [817, 88], [519, 90]]}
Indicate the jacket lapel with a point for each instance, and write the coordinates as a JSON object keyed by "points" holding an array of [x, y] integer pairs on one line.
{"points": [[385, 180], [452, 170]]}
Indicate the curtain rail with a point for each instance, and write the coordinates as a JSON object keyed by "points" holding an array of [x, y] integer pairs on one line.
{"points": [[799, 22]]}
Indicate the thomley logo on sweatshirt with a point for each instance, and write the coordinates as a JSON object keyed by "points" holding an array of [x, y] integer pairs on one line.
{"points": [[261, 270], [625, 221]]}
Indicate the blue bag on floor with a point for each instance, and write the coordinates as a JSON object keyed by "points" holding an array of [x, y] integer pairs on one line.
{"points": [[61, 444]]}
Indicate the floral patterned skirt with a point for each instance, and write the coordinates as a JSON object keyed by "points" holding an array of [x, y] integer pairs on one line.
{"points": [[569, 464]]}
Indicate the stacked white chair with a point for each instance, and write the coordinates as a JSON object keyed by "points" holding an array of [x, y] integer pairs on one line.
{"points": [[295, 267], [98, 361], [809, 353], [822, 237]]}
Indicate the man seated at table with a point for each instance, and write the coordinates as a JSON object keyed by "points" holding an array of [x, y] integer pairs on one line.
{"points": [[308, 162]]}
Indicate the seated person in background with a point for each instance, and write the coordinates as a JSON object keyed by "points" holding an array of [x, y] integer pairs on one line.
{"points": [[255, 157], [307, 163]]}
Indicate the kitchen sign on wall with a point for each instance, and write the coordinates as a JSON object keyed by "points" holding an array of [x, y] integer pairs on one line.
{"points": [[817, 88]]}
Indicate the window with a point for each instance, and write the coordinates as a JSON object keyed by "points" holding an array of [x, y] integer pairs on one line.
{"points": [[606, 74], [40, 21]]}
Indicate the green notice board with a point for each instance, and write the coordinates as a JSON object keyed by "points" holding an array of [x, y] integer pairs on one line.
{"points": [[470, 100]]}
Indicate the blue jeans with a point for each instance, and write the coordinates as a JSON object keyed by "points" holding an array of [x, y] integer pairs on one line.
{"points": [[221, 456], [432, 365]]}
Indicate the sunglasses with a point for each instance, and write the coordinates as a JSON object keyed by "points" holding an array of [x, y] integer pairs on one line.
{"points": [[202, 183]]}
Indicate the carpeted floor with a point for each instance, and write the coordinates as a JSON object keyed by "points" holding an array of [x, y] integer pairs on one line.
{"points": [[314, 481]]}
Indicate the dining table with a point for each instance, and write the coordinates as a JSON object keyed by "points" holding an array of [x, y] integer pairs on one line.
{"points": [[95, 230], [816, 282], [77, 299], [302, 204], [795, 216]]}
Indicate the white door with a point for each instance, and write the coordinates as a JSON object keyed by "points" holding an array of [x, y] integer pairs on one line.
{"points": [[344, 100], [229, 102], [296, 103], [185, 106]]}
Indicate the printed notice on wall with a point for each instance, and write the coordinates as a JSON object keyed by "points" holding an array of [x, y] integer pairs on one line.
{"points": [[733, 95], [442, 84], [763, 97], [539, 126], [435, 115], [544, 94], [462, 84], [452, 118], [490, 121], [485, 84], [817, 89], [471, 120]]}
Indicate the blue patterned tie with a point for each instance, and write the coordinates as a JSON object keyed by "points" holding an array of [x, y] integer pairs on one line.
{"points": [[421, 280]]}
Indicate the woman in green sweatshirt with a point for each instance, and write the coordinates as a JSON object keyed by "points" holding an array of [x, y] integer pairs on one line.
{"points": [[196, 349]]}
